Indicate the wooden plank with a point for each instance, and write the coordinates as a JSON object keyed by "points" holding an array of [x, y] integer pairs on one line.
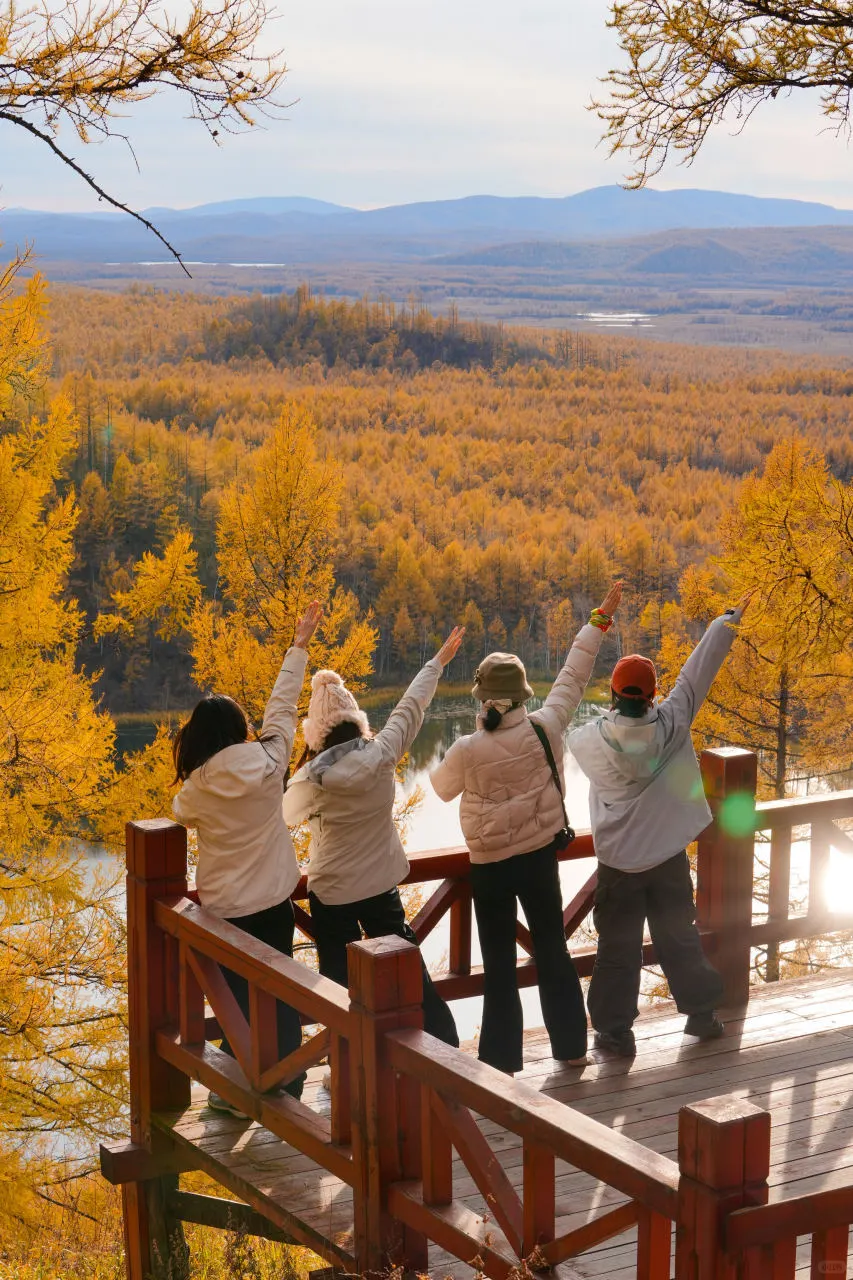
{"points": [[222, 1000], [341, 1091], [263, 1036], [307, 1055], [318, 997], [592, 1233], [435, 908], [454, 1228], [538, 1197], [122, 1162], [459, 953], [618, 1161], [483, 1165], [829, 1253], [310, 1225], [436, 1154], [230, 1215], [580, 906], [822, 1210], [284, 1116], [654, 1245]]}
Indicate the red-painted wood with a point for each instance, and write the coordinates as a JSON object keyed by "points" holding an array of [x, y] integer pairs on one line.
{"points": [[725, 863], [437, 1154], [829, 1253], [459, 957], [386, 990], [654, 1245], [724, 1158], [539, 1198]]}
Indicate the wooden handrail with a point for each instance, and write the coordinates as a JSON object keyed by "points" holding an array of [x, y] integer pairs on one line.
{"points": [[288, 980], [794, 812], [628, 1166], [791, 1216], [427, 865]]}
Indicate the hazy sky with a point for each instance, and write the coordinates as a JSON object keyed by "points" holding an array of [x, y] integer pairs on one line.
{"points": [[398, 101]]}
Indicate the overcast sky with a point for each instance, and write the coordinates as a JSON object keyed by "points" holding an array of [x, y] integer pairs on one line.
{"points": [[398, 101]]}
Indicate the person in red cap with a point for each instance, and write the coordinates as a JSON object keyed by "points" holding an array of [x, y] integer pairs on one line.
{"points": [[646, 804]]}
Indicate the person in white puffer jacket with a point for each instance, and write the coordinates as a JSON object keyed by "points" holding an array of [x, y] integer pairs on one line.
{"points": [[646, 804], [513, 818]]}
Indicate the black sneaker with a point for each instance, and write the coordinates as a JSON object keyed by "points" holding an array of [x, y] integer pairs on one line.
{"points": [[620, 1042], [704, 1026]]}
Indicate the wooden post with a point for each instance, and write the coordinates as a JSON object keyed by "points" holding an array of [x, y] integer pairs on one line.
{"points": [[724, 1159], [725, 864], [459, 954], [386, 990], [156, 868]]}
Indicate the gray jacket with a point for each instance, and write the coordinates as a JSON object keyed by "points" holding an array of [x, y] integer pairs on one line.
{"points": [[346, 795], [646, 799]]}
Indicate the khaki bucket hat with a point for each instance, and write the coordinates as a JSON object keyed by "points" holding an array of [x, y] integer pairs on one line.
{"points": [[501, 675]]}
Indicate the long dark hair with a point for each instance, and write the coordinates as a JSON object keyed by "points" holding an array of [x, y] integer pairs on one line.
{"points": [[216, 722], [346, 731]]}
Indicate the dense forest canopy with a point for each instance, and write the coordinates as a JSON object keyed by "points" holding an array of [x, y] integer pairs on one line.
{"points": [[501, 478]]}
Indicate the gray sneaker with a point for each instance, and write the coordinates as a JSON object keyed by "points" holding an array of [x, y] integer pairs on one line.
{"points": [[705, 1026], [217, 1103], [621, 1043]]}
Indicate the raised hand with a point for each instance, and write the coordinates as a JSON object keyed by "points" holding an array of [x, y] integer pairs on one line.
{"points": [[450, 648], [307, 624], [610, 603]]}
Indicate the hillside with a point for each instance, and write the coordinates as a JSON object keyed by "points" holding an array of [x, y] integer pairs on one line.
{"points": [[507, 490], [281, 230]]}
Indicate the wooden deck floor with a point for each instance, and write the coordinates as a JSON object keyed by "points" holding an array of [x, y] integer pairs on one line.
{"points": [[791, 1053]]}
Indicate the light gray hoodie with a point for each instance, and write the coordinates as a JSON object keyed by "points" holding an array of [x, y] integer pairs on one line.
{"points": [[646, 799]]}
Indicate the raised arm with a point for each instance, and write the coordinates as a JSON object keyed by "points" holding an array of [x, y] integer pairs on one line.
{"points": [[569, 687], [697, 675], [405, 720], [279, 726]]}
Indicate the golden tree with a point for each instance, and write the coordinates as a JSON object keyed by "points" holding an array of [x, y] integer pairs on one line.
{"points": [[276, 536], [81, 62], [786, 689], [60, 928], [689, 66]]}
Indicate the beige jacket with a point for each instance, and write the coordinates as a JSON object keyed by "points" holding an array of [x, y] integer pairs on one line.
{"points": [[509, 802], [346, 795], [246, 859]]}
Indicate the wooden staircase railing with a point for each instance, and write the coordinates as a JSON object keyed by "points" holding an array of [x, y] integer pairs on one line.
{"points": [[402, 1103]]}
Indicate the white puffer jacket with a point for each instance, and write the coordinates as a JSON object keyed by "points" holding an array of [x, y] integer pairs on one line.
{"points": [[509, 802]]}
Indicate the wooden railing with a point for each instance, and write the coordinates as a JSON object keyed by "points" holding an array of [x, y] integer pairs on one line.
{"points": [[402, 1102]]}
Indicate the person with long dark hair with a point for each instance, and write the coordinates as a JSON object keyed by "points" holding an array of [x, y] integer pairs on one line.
{"points": [[513, 816], [345, 790], [232, 795]]}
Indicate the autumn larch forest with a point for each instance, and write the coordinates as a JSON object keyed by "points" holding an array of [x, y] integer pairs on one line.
{"points": [[180, 474]]}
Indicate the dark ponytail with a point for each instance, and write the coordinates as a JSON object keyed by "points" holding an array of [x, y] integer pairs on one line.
{"points": [[492, 719]]}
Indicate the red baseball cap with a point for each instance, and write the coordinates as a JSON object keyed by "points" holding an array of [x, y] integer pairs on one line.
{"points": [[634, 677]]}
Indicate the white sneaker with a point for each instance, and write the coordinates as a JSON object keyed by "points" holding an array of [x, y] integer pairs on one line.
{"points": [[585, 1061], [326, 1082]]}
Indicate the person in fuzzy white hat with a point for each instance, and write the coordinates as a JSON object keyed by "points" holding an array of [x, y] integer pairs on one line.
{"points": [[345, 789]]}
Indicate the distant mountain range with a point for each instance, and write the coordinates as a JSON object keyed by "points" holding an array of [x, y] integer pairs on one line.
{"points": [[297, 230]]}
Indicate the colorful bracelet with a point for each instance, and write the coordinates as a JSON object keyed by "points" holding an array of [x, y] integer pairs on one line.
{"points": [[600, 620]]}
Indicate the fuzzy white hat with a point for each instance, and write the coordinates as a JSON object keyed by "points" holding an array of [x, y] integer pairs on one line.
{"points": [[331, 703]]}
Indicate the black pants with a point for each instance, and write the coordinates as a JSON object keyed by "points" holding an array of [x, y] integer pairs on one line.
{"points": [[337, 924], [533, 879], [623, 902], [274, 926]]}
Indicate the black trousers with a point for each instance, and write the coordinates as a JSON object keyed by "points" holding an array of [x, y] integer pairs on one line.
{"points": [[274, 926], [337, 924], [623, 902], [532, 879]]}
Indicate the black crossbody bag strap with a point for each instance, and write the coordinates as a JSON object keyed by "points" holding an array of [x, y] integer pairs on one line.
{"points": [[546, 747]]}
